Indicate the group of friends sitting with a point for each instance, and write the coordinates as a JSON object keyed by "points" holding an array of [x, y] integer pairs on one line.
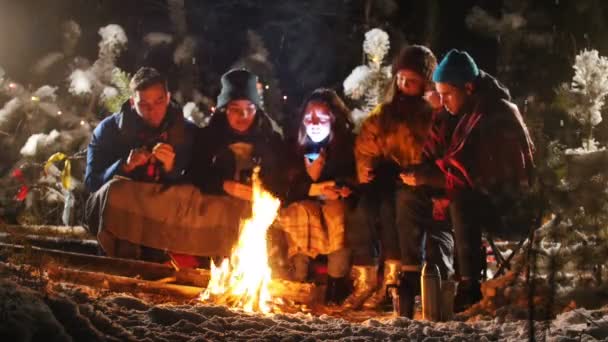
{"points": [[443, 157]]}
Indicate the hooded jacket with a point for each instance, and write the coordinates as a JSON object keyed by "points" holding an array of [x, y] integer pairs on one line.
{"points": [[118, 134]]}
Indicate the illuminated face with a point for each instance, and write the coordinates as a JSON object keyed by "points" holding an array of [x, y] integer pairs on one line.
{"points": [[240, 114], [151, 104], [410, 83], [452, 98], [317, 121]]}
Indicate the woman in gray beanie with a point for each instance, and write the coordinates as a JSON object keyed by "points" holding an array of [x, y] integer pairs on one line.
{"points": [[238, 137]]}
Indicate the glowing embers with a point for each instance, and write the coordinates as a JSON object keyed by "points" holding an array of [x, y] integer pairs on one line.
{"points": [[243, 280]]}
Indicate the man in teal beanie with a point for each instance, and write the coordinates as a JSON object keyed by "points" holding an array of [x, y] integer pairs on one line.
{"points": [[487, 159]]}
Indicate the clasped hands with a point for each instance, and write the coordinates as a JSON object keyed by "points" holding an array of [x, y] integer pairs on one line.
{"points": [[161, 152]]}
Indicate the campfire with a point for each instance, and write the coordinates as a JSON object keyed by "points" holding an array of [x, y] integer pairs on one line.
{"points": [[243, 280]]}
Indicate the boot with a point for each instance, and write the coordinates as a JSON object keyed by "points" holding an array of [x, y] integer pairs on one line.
{"points": [[409, 288], [365, 280], [390, 279], [337, 290], [467, 294]]}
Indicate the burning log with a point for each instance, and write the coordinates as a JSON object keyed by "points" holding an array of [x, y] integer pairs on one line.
{"points": [[303, 293]]}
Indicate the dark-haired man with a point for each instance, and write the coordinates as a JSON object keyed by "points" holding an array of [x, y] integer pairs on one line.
{"points": [[485, 164], [148, 140]]}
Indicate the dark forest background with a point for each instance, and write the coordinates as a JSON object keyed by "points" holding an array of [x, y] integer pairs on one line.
{"points": [[318, 42]]}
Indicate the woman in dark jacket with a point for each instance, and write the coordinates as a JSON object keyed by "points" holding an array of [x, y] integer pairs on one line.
{"points": [[238, 138], [320, 176]]}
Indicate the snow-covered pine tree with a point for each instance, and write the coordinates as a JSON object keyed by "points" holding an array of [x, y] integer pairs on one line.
{"points": [[367, 83], [576, 184]]}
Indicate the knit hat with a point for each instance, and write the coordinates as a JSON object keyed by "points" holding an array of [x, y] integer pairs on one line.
{"points": [[457, 67], [238, 84], [417, 58]]}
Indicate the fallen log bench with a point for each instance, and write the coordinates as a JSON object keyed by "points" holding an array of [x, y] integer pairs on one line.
{"points": [[94, 263], [126, 275], [48, 230], [120, 283], [87, 246], [303, 293]]}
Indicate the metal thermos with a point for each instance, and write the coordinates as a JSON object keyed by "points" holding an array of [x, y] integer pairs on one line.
{"points": [[430, 280]]}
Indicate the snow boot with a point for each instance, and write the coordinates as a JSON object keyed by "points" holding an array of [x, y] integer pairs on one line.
{"points": [[467, 294], [337, 290], [409, 288], [365, 281], [389, 282]]}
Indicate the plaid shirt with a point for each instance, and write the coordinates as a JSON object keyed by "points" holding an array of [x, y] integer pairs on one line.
{"points": [[313, 227]]}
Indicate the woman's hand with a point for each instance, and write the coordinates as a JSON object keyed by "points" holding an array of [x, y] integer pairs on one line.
{"points": [[330, 192], [367, 175], [409, 178], [238, 190]]}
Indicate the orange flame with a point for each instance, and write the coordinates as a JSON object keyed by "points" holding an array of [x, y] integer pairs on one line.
{"points": [[243, 281]]}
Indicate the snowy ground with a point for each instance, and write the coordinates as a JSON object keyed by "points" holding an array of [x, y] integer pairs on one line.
{"points": [[68, 313]]}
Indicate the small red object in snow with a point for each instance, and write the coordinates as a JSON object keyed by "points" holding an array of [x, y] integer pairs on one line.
{"points": [[17, 173], [22, 194]]}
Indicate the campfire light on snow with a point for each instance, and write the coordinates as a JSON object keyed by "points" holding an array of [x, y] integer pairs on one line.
{"points": [[243, 281]]}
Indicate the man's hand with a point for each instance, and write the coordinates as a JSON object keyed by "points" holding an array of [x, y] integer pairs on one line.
{"points": [[345, 191], [316, 189], [315, 168], [165, 155], [367, 175], [433, 98], [238, 190], [330, 192], [137, 157], [409, 178]]}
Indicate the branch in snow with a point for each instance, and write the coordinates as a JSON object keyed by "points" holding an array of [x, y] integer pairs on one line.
{"points": [[185, 51], [355, 84], [376, 45], [158, 38], [482, 22], [39, 141], [81, 82], [584, 98]]}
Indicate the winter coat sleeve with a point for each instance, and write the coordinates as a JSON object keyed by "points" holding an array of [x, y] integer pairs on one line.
{"points": [[102, 162], [273, 173], [184, 155], [367, 144], [202, 173]]}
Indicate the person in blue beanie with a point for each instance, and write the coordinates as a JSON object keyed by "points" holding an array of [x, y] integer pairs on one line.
{"points": [[485, 164]]}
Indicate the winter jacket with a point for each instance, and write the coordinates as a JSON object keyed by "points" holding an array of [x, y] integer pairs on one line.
{"points": [[222, 154], [339, 167], [490, 146], [118, 134], [394, 132]]}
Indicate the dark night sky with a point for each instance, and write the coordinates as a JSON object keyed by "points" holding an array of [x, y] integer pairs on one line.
{"points": [[30, 28]]}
